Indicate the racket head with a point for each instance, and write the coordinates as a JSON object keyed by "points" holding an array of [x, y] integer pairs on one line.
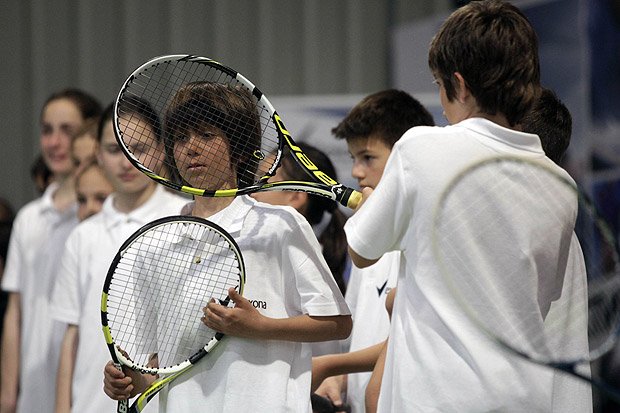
{"points": [[156, 287], [170, 99], [188, 94], [500, 274]]}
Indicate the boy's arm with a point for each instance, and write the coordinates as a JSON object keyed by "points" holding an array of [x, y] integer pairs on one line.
{"points": [[64, 377], [9, 376], [374, 385], [345, 363], [245, 321], [359, 261]]}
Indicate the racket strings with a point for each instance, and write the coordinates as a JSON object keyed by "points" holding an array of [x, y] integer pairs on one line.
{"points": [[159, 288], [509, 278], [191, 98]]}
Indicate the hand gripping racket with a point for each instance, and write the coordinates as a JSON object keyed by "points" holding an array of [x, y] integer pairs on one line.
{"points": [[159, 282], [197, 95], [502, 232], [322, 404]]}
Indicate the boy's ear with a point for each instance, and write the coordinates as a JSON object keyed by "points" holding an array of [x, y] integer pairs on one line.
{"points": [[462, 92]]}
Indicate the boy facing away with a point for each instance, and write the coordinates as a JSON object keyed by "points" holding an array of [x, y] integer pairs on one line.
{"points": [[485, 61]]}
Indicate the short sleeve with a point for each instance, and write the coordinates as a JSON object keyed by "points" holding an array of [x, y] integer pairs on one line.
{"points": [[317, 289], [381, 223]]}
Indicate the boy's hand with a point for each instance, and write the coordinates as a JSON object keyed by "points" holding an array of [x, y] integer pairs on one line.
{"points": [[116, 384], [243, 320], [366, 192]]}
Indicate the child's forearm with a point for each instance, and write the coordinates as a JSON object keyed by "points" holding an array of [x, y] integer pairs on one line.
{"points": [[352, 362], [10, 353], [374, 385], [64, 376], [305, 328]]}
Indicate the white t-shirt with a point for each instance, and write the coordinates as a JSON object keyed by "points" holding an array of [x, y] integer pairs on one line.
{"points": [[37, 241], [286, 276], [437, 360], [366, 294], [90, 249]]}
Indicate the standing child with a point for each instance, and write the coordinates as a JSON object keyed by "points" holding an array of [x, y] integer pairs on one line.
{"points": [[485, 61], [30, 343], [371, 129], [264, 364], [90, 248]]}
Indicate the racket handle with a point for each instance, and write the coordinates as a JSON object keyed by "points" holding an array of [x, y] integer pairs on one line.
{"points": [[123, 405], [349, 198]]}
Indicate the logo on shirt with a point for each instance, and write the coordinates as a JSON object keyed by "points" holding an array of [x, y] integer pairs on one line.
{"points": [[381, 289], [258, 304]]}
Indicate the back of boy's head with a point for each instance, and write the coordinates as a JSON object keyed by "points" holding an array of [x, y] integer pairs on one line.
{"points": [[493, 46], [384, 115], [551, 120]]}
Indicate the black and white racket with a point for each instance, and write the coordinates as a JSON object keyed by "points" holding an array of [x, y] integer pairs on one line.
{"points": [[159, 282], [191, 94], [509, 278]]}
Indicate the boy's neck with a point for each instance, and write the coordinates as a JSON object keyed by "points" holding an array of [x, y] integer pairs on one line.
{"points": [[64, 196], [128, 202], [498, 119], [205, 207]]}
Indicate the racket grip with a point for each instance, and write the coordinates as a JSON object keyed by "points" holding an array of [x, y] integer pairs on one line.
{"points": [[349, 198], [123, 405]]}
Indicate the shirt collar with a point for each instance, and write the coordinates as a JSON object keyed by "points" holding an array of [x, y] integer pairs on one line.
{"points": [[230, 218], [520, 140], [141, 215]]}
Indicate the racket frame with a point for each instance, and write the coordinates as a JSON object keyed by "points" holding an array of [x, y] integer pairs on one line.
{"points": [[322, 184], [172, 372], [567, 366]]}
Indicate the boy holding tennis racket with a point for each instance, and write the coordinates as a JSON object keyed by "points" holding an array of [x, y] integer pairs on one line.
{"points": [[485, 62], [290, 298], [89, 250]]}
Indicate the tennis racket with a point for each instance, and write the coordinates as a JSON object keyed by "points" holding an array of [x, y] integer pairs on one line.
{"points": [[497, 231], [159, 282], [197, 95]]}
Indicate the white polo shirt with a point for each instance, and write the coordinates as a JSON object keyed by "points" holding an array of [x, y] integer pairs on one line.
{"points": [[37, 240], [438, 360], [90, 249], [366, 293], [286, 276]]}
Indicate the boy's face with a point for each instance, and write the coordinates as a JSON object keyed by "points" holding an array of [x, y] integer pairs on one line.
{"points": [[369, 158], [124, 177], [59, 121], [204, 160], [92, 189]]}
